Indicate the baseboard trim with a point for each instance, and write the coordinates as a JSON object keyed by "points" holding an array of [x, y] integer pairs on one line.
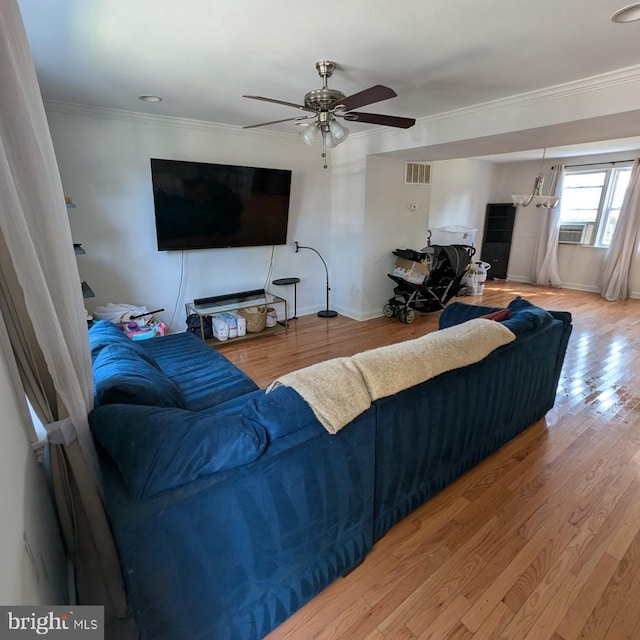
{"points": [[343, 311], [372, 313], [576, 286]]}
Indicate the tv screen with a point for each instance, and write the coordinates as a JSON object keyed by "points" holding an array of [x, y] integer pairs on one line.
{"points": [[202, 206]]}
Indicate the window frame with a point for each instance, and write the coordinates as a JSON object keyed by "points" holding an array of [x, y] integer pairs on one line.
{"points": [[612, 174]]}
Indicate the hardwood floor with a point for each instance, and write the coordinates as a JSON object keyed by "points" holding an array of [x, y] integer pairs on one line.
{"points": [[541, 540]]}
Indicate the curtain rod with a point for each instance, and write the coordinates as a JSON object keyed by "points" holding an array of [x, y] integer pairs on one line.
{"points": [[594, 164]]}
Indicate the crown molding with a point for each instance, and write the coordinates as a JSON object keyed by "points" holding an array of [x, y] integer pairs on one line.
{"points": [[617, 77], [614, 78], [603, 81], [108, 113]]}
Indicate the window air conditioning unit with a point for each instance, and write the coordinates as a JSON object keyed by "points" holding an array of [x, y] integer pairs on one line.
{"points": [[572, 233]]}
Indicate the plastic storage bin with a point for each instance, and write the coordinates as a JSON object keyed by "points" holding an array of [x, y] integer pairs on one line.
{"points": [[456, 234]]}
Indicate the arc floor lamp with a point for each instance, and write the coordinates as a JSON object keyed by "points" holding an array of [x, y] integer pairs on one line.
{"points": [[325, 313]]}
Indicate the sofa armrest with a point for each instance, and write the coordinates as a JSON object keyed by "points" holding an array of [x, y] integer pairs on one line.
{"points": [[564, 316], [280, 412]]}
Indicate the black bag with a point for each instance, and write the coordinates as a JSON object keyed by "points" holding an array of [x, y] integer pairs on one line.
{"points": [[193, 326]]}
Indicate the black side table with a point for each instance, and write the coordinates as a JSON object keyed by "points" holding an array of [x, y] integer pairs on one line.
{"points": [[294, 282]]}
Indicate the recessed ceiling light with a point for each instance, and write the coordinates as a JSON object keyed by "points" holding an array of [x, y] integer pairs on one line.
{"points": [[150, 98], [630, 13]]}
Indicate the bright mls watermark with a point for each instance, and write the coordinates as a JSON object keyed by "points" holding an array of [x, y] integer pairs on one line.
{"points": [[80, 622]]}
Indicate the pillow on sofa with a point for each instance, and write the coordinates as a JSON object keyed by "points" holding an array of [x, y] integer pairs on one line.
{"points": [[525, 316], [104, 333], [498, 316], [459, 312], [156, 448], [122, 375]]}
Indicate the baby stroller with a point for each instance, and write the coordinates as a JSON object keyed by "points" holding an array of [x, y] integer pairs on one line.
{"points": [[446, 265]]}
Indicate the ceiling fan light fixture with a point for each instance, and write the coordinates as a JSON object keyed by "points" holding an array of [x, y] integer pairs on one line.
{"points": [[339, 133], [326, 104], [309, 133], [329, 140]]}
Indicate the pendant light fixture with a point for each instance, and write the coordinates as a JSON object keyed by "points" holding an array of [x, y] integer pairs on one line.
{"points": [[536, 197]]}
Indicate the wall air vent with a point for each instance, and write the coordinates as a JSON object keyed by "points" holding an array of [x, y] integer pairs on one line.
{"points": [[417, 173]]}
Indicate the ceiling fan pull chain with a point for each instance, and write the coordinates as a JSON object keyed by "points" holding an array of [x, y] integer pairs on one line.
{"points": [[324, 148]]}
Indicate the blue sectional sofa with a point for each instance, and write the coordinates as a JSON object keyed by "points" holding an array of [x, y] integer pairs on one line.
{"points": [[232, 507]]}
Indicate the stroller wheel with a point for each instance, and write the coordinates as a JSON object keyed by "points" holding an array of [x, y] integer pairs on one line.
{"points": [[409, 316], [388, 311], [402, 314]]}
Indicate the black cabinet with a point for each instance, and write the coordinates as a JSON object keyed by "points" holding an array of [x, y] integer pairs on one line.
{"points": [[496, 242]]}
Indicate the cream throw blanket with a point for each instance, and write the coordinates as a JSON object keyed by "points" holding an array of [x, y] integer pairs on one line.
{"points": [[334, 390], [341, 389]]}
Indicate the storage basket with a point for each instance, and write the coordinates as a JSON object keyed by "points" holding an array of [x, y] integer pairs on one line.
{"points": [[456, 234], [256, 317]]}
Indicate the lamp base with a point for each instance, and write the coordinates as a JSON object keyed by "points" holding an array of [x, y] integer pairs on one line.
{"points": [[327, 313]]}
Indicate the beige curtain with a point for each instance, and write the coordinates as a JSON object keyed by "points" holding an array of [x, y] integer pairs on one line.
{"points": [[624, 243], [42, 306]]}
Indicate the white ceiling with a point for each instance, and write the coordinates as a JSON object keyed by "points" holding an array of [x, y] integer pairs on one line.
{"points": [[201, 56]]}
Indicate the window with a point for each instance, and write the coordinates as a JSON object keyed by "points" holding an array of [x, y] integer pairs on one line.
{"points": [[590, 205]]}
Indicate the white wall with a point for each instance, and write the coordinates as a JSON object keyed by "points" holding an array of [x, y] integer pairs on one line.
{"points": [[460, 192], [579, 266], [343, 212], [33, 563], [371, 217], [104, 165], [389, 224], [346, 252]]}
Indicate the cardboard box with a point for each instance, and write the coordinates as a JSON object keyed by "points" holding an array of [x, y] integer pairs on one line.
{"points": [[414, 272]]}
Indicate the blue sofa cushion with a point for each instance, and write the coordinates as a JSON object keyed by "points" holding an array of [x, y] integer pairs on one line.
{"points": [[121, 375], [525, 316], [280, 412], [156, 449], [205, 377], [104, 333]]}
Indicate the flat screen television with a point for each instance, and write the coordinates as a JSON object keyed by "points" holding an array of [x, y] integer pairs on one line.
{"points": [[204, 206]]}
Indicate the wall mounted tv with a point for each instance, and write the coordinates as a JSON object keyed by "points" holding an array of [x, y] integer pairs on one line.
{"points": [[203, 206]]}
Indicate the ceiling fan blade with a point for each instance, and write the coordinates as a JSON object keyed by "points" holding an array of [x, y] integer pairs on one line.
{"points": [[378, 118], [365, 97], [264, 124], [286, 104]]}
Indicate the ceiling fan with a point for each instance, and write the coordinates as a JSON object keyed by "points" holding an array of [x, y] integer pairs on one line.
{"points": [[326, 105]]}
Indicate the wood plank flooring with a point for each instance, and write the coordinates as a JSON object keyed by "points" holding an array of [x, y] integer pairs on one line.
{"points": [[541, 541]]}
